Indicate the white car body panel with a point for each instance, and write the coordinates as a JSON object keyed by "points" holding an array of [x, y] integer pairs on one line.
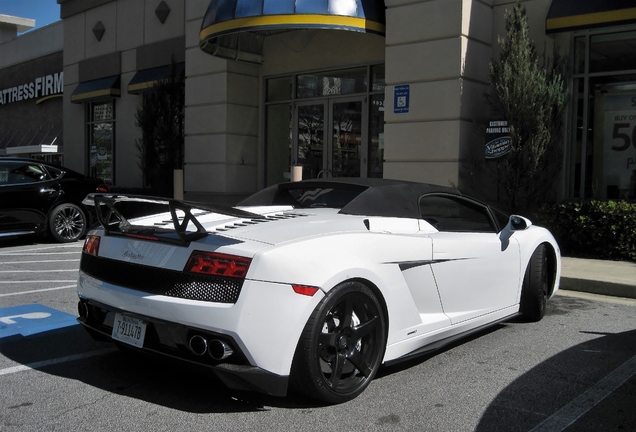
{"points": [[433, 286], [478, 275]]}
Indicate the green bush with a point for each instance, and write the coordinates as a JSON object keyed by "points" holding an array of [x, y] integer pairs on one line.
{"points": [[593, 229]]}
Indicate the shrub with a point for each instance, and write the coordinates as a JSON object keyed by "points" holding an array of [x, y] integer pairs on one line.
{"points": [[160, 117], [593, 229], [530, 92]]}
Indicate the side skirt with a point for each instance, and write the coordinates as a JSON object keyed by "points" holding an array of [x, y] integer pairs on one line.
{"points": [[434, 346]]}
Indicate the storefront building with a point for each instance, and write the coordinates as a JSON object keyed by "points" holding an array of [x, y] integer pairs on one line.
{"points": [[601, 158], [31, 85], [276, 90]]}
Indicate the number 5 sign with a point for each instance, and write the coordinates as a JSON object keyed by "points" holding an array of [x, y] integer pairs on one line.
{"points": [[625, 132], [619, 154]]}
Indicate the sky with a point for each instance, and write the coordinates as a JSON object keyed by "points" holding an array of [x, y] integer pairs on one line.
{"points": [[44, 12]]}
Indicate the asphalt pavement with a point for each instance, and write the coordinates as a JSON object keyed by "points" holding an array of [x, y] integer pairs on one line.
{"points": [[610, 278]]}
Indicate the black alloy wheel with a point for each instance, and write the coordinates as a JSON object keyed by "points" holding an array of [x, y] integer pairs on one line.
{"points": [[67, 223], [342, 345]]}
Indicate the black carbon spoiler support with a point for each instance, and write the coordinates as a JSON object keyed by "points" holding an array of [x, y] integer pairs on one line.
{"points": [[115, 223]]}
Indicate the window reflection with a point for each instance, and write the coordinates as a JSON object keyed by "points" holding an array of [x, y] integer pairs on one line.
{"points": [[101, 140], [613, 52], [603, 156], [332, 83]]}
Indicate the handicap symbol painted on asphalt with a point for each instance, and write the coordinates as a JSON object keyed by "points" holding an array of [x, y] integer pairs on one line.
{"points": [[32, 319]]}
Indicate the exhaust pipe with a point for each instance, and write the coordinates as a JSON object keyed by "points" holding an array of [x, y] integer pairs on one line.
{"points": [[198, 345], [82, 309], [219, 350]]}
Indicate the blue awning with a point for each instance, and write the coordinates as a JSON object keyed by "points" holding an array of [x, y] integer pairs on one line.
{"points": [[102, 88], [225, 17], [568, 15], [145, 79]]}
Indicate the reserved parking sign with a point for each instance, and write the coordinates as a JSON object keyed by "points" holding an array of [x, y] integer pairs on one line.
{"points": [[401, 96]]}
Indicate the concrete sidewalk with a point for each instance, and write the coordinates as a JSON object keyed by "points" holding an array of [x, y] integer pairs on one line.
{"points": [[610, 278]]}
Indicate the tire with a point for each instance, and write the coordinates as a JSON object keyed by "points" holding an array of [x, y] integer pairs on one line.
{"points": [[67, 223], [534, 293], [342, 345]]}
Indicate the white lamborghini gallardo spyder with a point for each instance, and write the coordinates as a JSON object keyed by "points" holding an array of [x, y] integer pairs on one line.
{"points": [[314, 284]]}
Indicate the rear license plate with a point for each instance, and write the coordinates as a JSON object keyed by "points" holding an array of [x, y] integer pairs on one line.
{"points": [[129, 330]]}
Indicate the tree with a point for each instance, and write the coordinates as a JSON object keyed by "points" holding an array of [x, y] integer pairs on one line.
{"points": [[531, 94], [160, 117]]}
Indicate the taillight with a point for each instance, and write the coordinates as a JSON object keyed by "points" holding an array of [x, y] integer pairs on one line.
{"points": [[103, 188], [217, 264], [91, 245], [305, 290]]}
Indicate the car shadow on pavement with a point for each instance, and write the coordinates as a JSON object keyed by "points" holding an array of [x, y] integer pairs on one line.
{"points": [[588, 387], [523, 404], [22, 241], [173, 384], [71, 353]]}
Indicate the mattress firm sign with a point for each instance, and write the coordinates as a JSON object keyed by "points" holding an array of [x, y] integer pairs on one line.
{"points": [[38, 88], [498, 140]]}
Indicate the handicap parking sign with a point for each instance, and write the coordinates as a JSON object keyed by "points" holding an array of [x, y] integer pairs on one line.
{"points": [[401, 98], [30, 319]]}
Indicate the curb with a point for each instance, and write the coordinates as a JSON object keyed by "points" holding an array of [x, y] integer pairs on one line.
{"points": [[598, 287]]}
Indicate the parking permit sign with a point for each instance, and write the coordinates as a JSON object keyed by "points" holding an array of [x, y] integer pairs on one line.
{"points": [[401, 96], [30, 319]]}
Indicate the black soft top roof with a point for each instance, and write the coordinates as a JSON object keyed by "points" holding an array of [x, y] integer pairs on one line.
{"points": [[375, 197]]}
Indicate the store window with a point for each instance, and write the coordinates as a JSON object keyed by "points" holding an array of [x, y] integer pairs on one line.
{"points": [[603, 153], [332, 83], [376, 123], [101, 139], [327, 123], [278, 138]]}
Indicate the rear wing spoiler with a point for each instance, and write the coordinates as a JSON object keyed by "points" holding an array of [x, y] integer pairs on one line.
{"points": [[115, 223]]}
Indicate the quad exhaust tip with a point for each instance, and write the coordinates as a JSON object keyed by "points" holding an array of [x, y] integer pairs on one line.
{"points": [[217, 349], [198, 345], [82, 309]]}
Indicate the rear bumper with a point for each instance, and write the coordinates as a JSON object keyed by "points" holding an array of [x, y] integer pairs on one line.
{"points": [[264, 325], [172, 340]]}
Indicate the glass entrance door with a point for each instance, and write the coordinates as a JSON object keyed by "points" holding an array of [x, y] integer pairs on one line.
{"points": [[310, 139], [328, 137], [346, 138]]}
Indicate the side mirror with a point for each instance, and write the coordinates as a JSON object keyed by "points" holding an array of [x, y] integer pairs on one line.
{"points": [[519, 223]]}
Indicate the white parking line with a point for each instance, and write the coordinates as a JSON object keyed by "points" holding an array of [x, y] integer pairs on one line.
{"points": [[38, 271], [39, 253], [39, 262], [570, 413], [36, 281], [79, 246], [38, 291], [44, 363]]}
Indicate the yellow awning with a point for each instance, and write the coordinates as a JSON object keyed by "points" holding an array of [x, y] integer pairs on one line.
{"points": [[568, 15], [225, 17], [145, 79], [102, 88]]}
